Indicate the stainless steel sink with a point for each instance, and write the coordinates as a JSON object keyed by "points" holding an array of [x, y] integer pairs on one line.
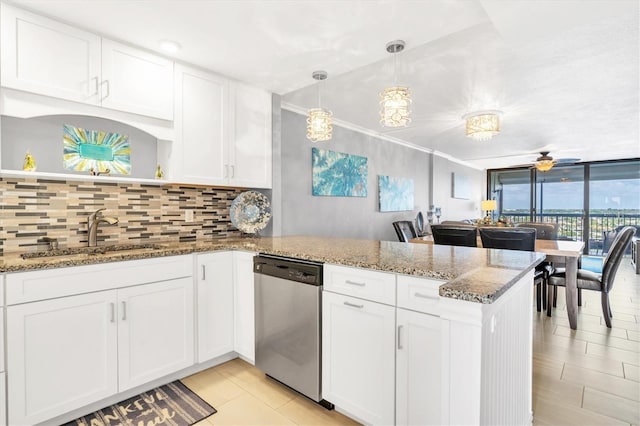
{"points": [[71, 251]]}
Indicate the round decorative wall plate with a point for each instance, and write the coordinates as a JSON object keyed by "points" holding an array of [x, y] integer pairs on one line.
{"points": [[250, 212]]}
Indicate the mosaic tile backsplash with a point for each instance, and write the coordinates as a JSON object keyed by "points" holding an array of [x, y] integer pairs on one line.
{"points": [[31, 209]]}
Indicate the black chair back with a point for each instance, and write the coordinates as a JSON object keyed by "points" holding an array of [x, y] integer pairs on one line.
{"points": [[454, 235], [523, 239], [614, 257], [544, 231], [405, 230]]}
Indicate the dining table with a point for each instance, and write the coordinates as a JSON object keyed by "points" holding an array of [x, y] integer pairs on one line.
{"points": [[558, 251]]}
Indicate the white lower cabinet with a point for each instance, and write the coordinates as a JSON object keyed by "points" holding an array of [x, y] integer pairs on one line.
{"points": [[155, 331], [214, 277], [358, 355], [61, 355], [67, 352], [418, 369], [244, 343]]}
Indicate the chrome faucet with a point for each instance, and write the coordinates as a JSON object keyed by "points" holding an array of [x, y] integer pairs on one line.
{"points": [[92, 225]]}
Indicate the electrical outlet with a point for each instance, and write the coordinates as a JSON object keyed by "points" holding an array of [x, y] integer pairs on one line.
{"points": [[188, 216]]}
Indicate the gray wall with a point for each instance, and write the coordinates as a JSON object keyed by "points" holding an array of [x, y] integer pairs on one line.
{"points": [[42, 136], [349, 217]]}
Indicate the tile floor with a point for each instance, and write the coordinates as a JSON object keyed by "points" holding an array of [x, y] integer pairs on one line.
{"points": [[584, 377]]}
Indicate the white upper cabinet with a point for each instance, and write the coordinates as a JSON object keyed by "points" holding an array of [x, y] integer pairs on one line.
{"points": [[250, 152], [46, 57], [200, 149], [136, 81], [223, 131]]}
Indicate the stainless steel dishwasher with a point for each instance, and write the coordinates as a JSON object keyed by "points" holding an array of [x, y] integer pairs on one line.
{"points": [[288, 297]]}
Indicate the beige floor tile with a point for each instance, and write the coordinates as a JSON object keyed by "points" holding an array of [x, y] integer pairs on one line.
{"points": [[620, 333], [556, 412], [603, 365], [615, 322], [631, 372], [611, 405], [613, 353], [256, 383], [213, 387], [247, 410], [556, 389], [600, 381], [302, 411], [548, 367], [601, 339]]}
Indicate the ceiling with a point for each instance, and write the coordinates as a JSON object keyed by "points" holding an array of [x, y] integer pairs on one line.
{"points": [[565, 73]]}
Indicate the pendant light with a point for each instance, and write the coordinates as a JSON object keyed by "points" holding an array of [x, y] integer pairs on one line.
{"points": [[395, 101], [319, 124]]}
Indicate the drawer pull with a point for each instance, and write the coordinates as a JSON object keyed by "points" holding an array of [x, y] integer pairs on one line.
{"points": [[124, 311], [399, 334], [353, 305], [355, 283], [425, 296], [113, 312], [204, 273]]}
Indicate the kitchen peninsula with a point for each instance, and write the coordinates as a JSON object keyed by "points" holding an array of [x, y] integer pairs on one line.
{"points": [[477, 302]]}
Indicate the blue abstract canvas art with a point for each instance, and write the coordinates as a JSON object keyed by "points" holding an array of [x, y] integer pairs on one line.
{"points": [[86, 150], [337, 174], [396, 194]]}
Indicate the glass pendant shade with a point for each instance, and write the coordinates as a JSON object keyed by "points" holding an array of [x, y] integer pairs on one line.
{"points": [[482, 126], [395, 103], [319, 121], [319, 125]]}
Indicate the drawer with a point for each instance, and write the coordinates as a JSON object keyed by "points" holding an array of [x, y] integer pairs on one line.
{"points": [[30, 286], [365, 284], [419, 294]]}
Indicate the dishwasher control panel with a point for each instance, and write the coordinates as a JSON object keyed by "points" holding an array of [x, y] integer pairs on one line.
{"points": [[288, 269]]}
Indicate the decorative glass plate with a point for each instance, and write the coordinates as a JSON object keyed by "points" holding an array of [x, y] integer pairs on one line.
{"points": [[250, 212]]}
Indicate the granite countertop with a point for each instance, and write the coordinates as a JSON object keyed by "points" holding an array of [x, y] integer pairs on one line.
{"points": [[472, 274]]}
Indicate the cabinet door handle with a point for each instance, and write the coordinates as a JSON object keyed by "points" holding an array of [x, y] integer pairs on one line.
{"points": [[124, 311], [113, 312], [355, 283], [97, 85], [106, 83], [425, 296], [204, 274], [233, 171], [400, 334], [353, 305]]}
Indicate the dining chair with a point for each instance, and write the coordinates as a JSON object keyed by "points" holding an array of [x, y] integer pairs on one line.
{"points": [[589, 280], [405, 230], [544, 231], [465, 236], [523, 239], [508, 238]]}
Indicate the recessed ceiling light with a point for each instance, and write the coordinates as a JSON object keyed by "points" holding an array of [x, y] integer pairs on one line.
{"points": [[169, 46]]}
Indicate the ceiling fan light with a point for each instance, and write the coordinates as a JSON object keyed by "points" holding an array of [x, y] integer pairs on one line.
{"points": [[319, 125], [544, 165], [395, 106], [482, 125]]}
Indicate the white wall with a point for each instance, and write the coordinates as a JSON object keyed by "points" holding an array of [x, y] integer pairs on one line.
{"points": [[454, 208]]}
